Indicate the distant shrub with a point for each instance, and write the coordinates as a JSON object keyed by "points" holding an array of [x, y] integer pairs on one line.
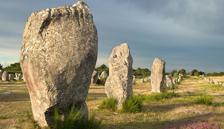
{"points": [[141, 72], [133, 104], [195, 72], [74, 120], [204, 99], [175, 73], [109, 103], [160, 96], [215, 74]]}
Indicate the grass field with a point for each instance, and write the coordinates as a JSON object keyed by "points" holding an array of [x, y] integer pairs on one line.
{"points": [[189, 106]]}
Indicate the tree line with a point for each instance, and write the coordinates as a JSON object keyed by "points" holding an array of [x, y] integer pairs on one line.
{"points": [[138, 73]]}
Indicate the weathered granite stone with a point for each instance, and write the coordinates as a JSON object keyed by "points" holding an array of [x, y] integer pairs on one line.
{"points": [[174, 81], [158, 75], [11, 77], [119, 82], [134, 80], [18, 76], [94, 77], [58, 57], [5, 76], [103, 77], [169, 81], [180, 78]]}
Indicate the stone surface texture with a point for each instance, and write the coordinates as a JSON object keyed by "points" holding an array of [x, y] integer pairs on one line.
{"points": [[5, 76], [94, 77], [11, 77], [103, 75], [58, 57], [158, 75], [119, 82], [169, 81]]}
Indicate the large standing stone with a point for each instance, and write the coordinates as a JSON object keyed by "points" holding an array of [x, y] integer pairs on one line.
{"points": [[119, 82], [158, 75], [5, 76], [58, 57]]}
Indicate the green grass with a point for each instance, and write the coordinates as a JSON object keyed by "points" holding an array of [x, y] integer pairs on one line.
{"points": [[160, 96], [133, 104], [204, 100], [75, 120], [215, 87], [109, 103]]}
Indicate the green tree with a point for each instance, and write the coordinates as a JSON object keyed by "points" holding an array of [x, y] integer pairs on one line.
{"points": [[141, 72], [13, 68], [182, 71], [196, 72], [102, 68], [174, 73], [215, 74]]}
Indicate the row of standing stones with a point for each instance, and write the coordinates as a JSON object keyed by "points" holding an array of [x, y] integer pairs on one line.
{"points": [[214, 81], [5, 76], [58, 57]]}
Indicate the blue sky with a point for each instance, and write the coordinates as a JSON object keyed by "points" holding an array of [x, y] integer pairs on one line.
{"points": [[186, 33]]}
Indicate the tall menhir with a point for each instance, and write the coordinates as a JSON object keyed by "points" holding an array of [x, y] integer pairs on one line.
{"points": [[58, 57]]}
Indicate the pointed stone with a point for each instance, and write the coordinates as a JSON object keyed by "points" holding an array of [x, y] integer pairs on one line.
{"points": [[158, 75], [119, 82]]}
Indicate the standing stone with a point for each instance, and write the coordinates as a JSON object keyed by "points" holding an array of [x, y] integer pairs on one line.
{"points": [[58, 57], [94, 77], [11, 77], [180, 77], [103, 77], [134, 80], [223, 84], [1, 74], [146, 79], [5, 76], [158, 75], [18, 76], [216, 82], [169, 81], [119, 82]]}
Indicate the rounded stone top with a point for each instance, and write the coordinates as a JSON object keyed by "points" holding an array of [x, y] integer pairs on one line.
{"points": [[157, 59]]}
